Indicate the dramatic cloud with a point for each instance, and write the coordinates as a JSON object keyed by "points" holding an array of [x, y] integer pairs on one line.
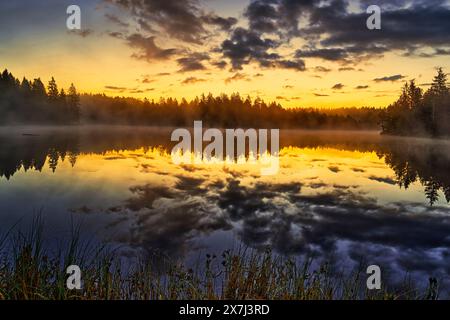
{"points": [[179, 19], [335, 33], [245, 46], [361, 87], [277, 16], [183, 20]]}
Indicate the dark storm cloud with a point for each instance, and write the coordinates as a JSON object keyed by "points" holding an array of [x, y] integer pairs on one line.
{"points": [[193, 62], [148, 50], [389, 78]]}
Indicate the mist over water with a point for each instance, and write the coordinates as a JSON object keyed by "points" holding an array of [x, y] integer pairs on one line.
{"points": [[343, 196]]}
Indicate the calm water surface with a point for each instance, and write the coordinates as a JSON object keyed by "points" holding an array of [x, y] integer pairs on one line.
{"points": [[339, 196]]}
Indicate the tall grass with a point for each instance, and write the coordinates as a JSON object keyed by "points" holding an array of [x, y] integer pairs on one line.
{"points": [[29, 271]]}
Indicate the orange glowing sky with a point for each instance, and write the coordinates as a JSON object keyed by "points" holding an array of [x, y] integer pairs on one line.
{"points": [[36, 43]]}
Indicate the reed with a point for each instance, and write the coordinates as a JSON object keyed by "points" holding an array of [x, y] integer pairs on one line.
{"points": [[29, 271]]}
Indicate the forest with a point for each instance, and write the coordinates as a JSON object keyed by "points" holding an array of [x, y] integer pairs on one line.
{"points": [[418, 113], [415, 113], [31, 102]]}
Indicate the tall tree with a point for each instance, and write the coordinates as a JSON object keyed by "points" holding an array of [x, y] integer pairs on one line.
{"points": [[439, 85], [52, 90], [414, 95], [38, 88], [73, 102]]}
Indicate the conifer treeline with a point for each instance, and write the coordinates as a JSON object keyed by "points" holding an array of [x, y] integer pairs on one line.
{"points": [[223, 112], [32, 103], [416, 113]]}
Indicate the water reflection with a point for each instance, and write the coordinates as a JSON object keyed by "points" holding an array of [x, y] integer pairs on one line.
{"points": [[411, 159], [337, 196]]}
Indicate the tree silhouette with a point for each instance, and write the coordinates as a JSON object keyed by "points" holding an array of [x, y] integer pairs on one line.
{"points": [[30, 102], [74, 104], [52, 91], [415, 113]]}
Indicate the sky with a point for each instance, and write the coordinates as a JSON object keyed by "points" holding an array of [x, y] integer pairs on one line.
{"points": [[300, 53]]}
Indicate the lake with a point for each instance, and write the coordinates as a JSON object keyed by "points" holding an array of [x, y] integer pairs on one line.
{"points": [[346, 197]]}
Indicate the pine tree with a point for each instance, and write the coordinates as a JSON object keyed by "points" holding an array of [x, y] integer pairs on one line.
{"points": [[436, 100], [73, 102], [38, 88], [63, 104], [439, 85], [414, 95], [52, 89], [25, 86]]}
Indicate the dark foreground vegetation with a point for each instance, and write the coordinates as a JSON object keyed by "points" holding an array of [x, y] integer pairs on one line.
{"points": [[29, 271]]}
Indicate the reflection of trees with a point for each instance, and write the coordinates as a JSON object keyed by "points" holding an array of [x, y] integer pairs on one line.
{"points": [[31, 152], [412, 160], [428, 163]]}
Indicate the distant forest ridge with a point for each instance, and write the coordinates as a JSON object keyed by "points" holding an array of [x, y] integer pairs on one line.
{"points": [[31, 102]]}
